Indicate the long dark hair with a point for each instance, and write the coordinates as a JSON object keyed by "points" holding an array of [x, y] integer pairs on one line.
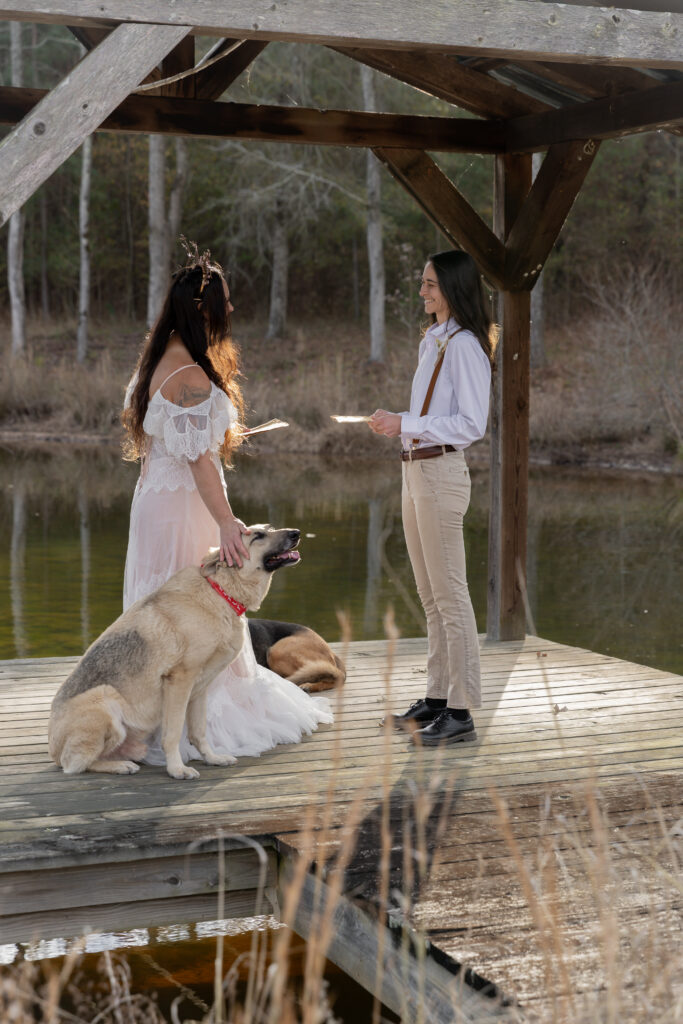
{"points": [[196, 310], [462, 287]]}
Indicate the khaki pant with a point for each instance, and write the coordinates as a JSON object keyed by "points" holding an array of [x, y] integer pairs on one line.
{"points": [[435, 497]]}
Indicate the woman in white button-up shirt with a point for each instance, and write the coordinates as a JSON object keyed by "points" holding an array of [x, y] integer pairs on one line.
{"points": [[436, 487]]}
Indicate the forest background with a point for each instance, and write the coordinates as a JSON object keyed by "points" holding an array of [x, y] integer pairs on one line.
{"points": [[296, 226]]}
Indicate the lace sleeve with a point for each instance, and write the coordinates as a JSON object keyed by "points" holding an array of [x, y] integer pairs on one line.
{"points": [[188, 433]]}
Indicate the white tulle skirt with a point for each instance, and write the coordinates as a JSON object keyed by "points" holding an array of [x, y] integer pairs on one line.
{"points": [[249, 708]]}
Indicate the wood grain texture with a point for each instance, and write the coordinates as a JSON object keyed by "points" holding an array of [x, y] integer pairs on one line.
{"points": [[445, 77], [545, 209], [445, 205], [645, 110], [201, 118], [533, 31], [558, 724], [57, 126]]}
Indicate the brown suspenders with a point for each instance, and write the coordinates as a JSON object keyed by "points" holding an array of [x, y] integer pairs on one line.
{"points": [[432, 383]]}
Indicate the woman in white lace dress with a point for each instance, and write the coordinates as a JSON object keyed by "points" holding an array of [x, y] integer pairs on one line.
{"points": [[182, 406]]}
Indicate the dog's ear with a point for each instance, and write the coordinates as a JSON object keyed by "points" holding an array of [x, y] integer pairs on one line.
{"points": [[209, 562]]}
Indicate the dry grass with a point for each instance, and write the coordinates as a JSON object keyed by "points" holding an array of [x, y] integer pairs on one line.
{"points": [[612, 379], [615, 377]]}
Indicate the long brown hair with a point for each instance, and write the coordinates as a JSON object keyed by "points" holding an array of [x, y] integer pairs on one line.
{"points": [[462, 286], [196, 310]]}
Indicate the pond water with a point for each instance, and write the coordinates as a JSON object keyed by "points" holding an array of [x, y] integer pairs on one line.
{"points": [[604, 567]]}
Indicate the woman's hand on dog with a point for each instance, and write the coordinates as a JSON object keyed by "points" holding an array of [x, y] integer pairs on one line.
{"points": [[232, 549], [387, 423]]}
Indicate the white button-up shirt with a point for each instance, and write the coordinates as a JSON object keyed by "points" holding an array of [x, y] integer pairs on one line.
{"points": [[459, 407]]}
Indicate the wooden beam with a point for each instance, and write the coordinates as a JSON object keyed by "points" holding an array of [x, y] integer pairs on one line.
{"points": [[444, 76], [593, 81], [89, 37], [165, 115], [57, 126], [412, 981], [545, 210], [659, 107], [447, 208], [529, 30], [211, 82], [509, 468]]}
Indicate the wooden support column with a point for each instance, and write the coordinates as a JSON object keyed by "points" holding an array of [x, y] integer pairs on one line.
{"points": [[509, 424], [76, 107]]}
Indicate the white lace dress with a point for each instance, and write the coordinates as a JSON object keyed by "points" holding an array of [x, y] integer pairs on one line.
{"points": [[249, 708]]}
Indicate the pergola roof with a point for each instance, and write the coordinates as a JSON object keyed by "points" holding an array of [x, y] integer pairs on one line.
{"points": [[537, 76]]}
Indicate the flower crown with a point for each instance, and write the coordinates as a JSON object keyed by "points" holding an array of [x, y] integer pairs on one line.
{"points": [[208, 267]]}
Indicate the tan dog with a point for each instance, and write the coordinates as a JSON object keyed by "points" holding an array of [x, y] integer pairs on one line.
{"points": [[153, 665], [296, 653]]}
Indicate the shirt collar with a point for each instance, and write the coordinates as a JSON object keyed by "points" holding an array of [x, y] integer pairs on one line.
{"points": [[440, 330]]}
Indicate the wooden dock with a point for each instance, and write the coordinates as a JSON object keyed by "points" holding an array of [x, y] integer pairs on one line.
{"points": [[517, 856]]}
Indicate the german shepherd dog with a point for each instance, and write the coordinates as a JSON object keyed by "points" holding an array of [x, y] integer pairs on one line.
{"points": [[153, 665], [297, 653]]}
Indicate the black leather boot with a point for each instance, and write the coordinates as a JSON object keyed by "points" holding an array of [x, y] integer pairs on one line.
{"points": [[446, 729], [418, 714]]}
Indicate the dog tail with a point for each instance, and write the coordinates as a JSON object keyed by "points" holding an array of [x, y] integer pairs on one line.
{"points": [[315, 676]]}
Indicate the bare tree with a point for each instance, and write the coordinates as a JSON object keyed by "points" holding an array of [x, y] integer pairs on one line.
{"points": [[277, 317], [374, 233], [15, 236], [164, 225], [84, 243], [158, 257], [538, 356]]}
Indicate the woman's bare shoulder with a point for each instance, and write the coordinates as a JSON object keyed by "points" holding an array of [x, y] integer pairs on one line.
{"points": [[190, 386]]}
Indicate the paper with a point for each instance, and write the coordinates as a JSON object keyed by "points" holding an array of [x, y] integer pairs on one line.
{"points": [[350, 419], [270, 425]]}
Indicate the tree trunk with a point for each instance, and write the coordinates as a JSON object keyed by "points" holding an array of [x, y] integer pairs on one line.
{"points": [[15, 234], [84, 519], [277, 320], [374, 233], [44, 280], [17, 568], [158, 231], [84, 240], [175, 202], [538, 356]]}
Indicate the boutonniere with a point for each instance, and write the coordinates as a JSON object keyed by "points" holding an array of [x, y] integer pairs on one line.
{"points": [[441, 345]]}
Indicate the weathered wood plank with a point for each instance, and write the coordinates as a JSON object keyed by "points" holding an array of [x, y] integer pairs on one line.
{"points": [[646, 110], [163, 115], [445, 77], [409, 983], [76, 107], [545, 210], [53, 924], [506, 618], [447, 208], [211, 82], [532, 31]]}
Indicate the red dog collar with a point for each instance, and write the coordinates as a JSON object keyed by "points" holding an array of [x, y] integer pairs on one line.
{"points": [[239, 608]]}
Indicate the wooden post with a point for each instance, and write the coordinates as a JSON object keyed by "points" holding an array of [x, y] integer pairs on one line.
{"points": [[509, 424]]}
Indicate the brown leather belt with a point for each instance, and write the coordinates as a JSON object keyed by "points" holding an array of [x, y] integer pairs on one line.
{"points": [[410, 454]]}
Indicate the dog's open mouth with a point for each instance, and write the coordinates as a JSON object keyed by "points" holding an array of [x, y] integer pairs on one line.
{"points": [[272, 562]]}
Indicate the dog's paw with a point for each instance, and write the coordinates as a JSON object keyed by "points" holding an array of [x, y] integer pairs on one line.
{"points": [[183, 771], [221, 759], [126, 768]]}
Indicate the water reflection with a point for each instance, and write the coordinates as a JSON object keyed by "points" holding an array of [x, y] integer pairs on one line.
{"points": [[603, 571]]}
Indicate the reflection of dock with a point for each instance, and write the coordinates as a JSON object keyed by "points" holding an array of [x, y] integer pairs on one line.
{"points": [[584, 751]]}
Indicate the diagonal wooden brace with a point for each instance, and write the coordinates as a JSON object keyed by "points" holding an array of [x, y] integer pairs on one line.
{"points": [[57, 126], [545, 210], [447, 208]]}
